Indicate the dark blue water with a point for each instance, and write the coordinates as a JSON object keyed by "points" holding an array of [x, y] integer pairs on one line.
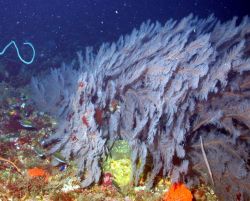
{"points": [[65, 26]]}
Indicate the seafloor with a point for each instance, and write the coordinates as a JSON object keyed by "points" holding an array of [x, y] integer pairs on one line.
{"points": [[27, 172]]}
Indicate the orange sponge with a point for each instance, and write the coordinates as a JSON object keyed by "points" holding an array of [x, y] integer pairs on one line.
{"points": [[178, 192], [38, 172]]}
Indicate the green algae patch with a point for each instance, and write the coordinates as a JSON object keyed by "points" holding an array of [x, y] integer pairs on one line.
{"points": [[119, 164]]}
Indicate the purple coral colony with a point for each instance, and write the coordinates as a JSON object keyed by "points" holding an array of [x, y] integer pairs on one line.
{"points": [[178, 93]]}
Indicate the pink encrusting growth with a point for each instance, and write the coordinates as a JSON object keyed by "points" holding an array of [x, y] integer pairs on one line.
{"points": [[85, 121], [160, 88]]}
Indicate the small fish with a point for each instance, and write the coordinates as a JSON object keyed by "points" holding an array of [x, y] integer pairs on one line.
{"points": [[24, 97], [63, 167], [23, 105], [26, 124], [39, 153], [57, 156]]}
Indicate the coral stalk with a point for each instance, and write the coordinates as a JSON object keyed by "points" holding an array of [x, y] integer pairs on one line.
{"points": [[10, 162]]}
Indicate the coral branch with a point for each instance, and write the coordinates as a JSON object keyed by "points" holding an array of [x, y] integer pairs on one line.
{"points": [[13, 164], [206, 161]]}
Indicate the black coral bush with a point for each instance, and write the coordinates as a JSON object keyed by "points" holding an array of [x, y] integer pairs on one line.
{"points": [[162, 88]]}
